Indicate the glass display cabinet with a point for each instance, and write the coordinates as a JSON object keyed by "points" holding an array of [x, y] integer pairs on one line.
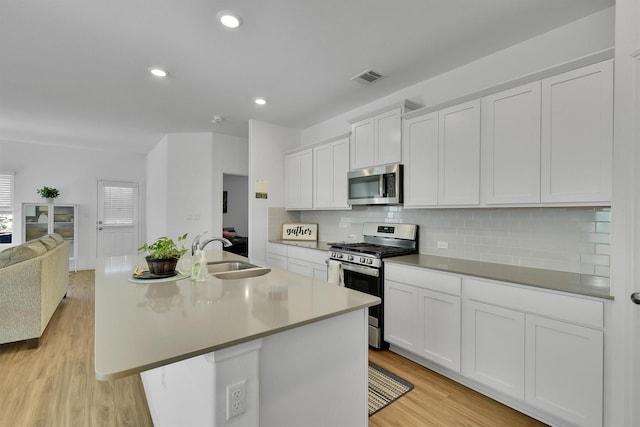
{"points": [[40, 219]]}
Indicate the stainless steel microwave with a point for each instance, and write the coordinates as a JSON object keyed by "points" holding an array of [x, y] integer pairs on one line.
{"points": [[380, 185]]}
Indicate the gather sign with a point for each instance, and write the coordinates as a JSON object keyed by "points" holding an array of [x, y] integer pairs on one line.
{"points": [[298, 231]]}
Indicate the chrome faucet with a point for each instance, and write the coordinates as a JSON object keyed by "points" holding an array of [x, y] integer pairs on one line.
{"points": [[196, 245], [225, 242]]}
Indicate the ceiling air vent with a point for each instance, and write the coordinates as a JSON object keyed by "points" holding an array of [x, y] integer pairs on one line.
{"points": [[367, 77]]}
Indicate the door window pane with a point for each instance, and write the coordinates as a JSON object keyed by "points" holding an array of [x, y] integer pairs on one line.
{"points": [[118, 205]]}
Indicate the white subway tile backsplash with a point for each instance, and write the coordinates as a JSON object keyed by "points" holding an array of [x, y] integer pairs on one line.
{"points": [[566, 239]]}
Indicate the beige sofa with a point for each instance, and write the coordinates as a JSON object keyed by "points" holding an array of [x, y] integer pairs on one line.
{"points": [[34, 277]]}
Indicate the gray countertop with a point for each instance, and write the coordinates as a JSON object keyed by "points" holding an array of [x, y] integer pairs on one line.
{"points": [[140, 326], [319, 245], [581, 284]]}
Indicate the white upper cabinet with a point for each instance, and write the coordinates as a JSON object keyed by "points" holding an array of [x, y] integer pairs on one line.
{"points": [[442, 157], [420, 153], [331, 165], [577, 135], [511, 146], [459, 154], [377, 139], [299, 180], [362, 145]]}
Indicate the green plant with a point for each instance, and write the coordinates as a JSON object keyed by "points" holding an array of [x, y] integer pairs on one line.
{"points": [[165, 247], [48, 192]]}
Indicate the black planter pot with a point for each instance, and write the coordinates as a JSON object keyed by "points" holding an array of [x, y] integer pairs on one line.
{"points": [[161, 266]]}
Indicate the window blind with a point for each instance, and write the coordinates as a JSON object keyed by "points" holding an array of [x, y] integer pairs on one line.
{"points": [[6, 191], [118, 205]]}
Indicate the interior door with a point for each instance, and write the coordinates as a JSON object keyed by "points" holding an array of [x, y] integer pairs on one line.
{"points": [[117, 227]]}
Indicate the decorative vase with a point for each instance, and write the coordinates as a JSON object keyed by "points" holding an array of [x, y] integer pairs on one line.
{"points": [[49, 199], [162, 266]]}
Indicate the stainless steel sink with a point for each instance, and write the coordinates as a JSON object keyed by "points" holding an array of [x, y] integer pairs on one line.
{"points": [[236, 270], [219, 266]]}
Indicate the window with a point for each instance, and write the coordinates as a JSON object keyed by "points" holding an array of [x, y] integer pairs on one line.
{"points": [[6, 207], [118, 205]]}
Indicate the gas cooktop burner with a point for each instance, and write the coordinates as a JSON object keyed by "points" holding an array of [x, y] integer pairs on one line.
{"points": [[372, 249]]}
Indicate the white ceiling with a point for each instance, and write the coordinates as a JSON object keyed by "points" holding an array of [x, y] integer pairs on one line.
{"points": [[74, 72]]}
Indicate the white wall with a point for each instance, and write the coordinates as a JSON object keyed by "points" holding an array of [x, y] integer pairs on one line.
{"points": [[580, 38], [622, 343], [185, 176], [237, 215], [75, 173], [157, 176], [267, 144]]}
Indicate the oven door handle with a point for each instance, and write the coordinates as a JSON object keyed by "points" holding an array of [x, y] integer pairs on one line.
{"points": [[368, 271]]}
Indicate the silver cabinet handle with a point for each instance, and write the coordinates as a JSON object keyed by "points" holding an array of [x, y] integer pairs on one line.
{"points": [[635, 297]]}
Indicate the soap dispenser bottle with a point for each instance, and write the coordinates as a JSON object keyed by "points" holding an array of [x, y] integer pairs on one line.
{"points": [[195, 263], [203, 273]]}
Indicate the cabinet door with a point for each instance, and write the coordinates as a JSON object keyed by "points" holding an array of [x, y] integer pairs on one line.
{"points": [[35, 220], [493, 347], [340, 170], [388, 137], [512, 146], [401, 315], [323, 176], [459, 154], [577, 135], [277, 261], [564, 370], [301, 267], [306, 179], [362, 143], [292, 180], [299, 180], [439, 315], [420, 154]]}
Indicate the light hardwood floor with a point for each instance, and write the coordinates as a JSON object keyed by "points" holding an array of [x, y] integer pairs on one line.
{"points": [[54, 385]]}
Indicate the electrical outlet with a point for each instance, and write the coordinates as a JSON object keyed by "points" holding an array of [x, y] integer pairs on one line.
{"points": [[443, 245], [236, 399]]}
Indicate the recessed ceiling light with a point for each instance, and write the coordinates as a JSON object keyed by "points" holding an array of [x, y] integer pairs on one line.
{"points": [[260, 101], [216, 119], [229, 19], [158, 72]]}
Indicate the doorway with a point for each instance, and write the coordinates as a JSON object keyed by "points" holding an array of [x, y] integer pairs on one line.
{"points": [[235, 212], [117, 225]]}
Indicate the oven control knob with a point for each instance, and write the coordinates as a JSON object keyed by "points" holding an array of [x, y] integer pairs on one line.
{"points": [[350, 258], [362, 260], [369, 261]]}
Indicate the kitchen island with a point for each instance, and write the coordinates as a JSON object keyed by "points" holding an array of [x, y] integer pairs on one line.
{"points": [[295, 348]]}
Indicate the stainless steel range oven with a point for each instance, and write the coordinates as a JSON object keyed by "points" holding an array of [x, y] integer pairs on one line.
{"points": [[363, 269]]}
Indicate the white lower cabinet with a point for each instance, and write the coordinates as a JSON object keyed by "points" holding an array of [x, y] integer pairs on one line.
{"points": [[401, 315], [295, 259], [542, 351], [439, 323], [564, 370], [494, 347], [545, 349], [422, 315]]}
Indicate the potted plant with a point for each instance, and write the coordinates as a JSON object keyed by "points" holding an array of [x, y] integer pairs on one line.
{"points": [[48, 193], [163, 255]]}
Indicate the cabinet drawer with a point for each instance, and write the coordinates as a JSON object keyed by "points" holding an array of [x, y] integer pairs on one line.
{"points": [[424, 278], [276, 248], [563, 307], [306, 254]]}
